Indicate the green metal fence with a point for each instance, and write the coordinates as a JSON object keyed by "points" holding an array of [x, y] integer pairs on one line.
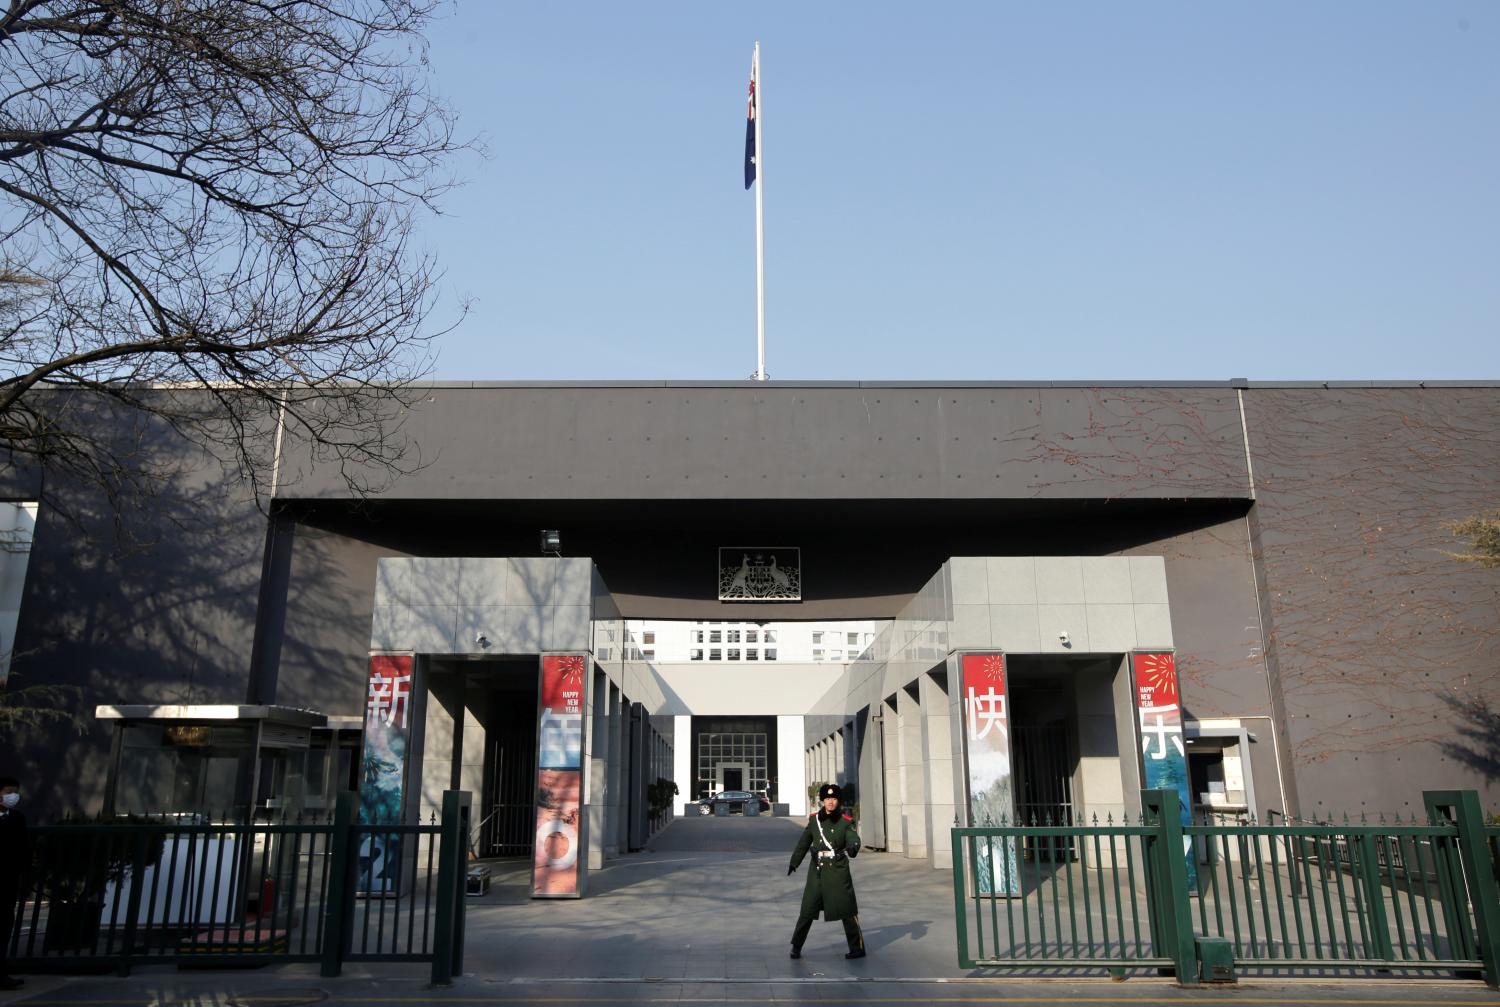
{"points": [[1363, 896], [108, 895]]}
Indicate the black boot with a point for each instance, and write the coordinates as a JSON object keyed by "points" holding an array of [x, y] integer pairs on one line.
{"points": [[856, 954], [796, 951]]}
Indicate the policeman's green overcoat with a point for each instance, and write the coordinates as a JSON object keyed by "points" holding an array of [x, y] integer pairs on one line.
{"points": [[829, 886]]}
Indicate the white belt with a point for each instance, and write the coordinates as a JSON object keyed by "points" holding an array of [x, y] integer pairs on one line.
{"points": [[827, 855]]}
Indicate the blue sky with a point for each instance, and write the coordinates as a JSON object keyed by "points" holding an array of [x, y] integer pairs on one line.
{"points": [[987, 191]]}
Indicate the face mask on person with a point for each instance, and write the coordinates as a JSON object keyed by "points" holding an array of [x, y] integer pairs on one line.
{"points": [[10, 800]]}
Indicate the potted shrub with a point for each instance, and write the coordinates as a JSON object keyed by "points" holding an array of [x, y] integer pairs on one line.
{"points": [[76, 861]]}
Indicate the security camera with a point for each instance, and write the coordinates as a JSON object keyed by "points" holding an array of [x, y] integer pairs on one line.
{"points": [[1062, 638], [481, 640]]}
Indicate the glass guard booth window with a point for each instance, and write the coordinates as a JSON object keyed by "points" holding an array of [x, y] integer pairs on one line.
{"points": [[185, 770], [236, 771]]}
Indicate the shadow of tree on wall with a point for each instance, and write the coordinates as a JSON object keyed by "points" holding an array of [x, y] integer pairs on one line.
{"points": [[137, 597], [1477, 723]]}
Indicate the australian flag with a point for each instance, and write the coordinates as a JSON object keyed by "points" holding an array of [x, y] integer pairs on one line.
{"points": [[750, 131]]}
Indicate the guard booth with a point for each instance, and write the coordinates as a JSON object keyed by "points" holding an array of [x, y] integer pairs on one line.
{"points": [[229, 765]]}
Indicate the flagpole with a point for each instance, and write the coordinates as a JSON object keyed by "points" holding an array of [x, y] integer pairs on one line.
{"points": [[760, 226]]}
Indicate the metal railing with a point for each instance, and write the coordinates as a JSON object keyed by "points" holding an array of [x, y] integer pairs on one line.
{"points": [[111, 894], [1362, 896]]}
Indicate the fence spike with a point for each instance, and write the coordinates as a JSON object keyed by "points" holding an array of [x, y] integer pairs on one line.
{"points": [[1362, 820], [1096, 819]]}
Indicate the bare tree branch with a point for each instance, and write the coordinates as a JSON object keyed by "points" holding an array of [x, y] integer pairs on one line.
{"points": [[217, 195]]}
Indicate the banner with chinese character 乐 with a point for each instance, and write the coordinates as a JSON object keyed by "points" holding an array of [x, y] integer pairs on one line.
{"points": [[382, 774], [1158, 706], [987, 749], [559, 792]]}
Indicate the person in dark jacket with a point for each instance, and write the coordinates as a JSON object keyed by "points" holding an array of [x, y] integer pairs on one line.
{"points": [[15, 853], [831, 836]]}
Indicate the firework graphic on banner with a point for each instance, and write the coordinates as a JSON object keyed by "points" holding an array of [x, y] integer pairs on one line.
{"points": [[1158, 672]]}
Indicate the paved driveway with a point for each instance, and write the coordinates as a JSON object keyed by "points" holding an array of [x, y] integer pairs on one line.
{"points": [[710, 899]]}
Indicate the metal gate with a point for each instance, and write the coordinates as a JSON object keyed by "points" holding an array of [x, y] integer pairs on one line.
{"points": [[508, 825], [1044, 787], [1364, 898]]}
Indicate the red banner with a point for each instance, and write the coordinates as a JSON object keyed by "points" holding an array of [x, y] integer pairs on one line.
{"points": [[1159, 727], [559, 836], [382, 772], [987, 746]]}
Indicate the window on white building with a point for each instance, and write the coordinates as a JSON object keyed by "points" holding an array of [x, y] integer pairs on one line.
{"points": [[697, 636], [817, 637], [835, 655], [853, 639], [817, 653], [649, 636], [649, 655], [696, 654], [733, 636], [770, 653], [751, 636], [751, 653], [734, 653], [770, 636], [716, 636]]}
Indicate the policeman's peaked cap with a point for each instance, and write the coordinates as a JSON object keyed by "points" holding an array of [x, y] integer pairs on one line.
{"points": [[828, 790]]}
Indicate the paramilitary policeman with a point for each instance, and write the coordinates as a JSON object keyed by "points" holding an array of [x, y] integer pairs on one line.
{"points": [[831, 837]]}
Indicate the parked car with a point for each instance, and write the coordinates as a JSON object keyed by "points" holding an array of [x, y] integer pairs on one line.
{"points": [[735, 799]]}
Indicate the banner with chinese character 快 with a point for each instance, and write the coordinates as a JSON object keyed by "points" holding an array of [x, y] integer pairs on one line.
{"points": [[1158, 707], [559, 792], [991, 794], [383, 769]]}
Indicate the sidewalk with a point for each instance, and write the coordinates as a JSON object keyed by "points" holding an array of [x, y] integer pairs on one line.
{"points": [[704, 915]]}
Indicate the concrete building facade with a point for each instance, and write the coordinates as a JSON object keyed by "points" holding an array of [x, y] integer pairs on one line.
{"points": [[1286, 542]]}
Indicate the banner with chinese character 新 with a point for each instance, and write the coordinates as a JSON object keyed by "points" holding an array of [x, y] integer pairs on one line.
{"points": [[1158, 707], [559, 793], [991, 793], [388, 710]]}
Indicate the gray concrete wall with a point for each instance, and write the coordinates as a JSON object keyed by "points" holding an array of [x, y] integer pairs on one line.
{"points": [[146, 598], [748, 440], [1299, 609], [1387, 650]]}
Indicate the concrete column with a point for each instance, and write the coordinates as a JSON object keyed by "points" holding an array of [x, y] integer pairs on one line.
{"points": [[439, 731], [615, 789], [850, 753], [598, 744], [637, 811], [471, 769], [1099, 746], [937, 744], [890, 740], [870, 779], [791, 767], [914, 810], [1125, 719], [682, 768]]}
